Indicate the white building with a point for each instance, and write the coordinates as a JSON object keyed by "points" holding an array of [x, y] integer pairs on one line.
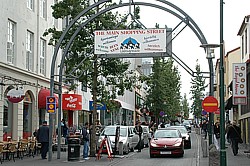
{"points": [[25, 60]]}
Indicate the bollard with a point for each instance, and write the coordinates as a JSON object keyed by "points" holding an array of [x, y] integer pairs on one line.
{"points": [[205, 149], [120, 148]]}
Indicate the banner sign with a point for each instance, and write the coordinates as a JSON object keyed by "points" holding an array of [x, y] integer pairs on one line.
{"points": [[71, 102], [239, 84], [130, 41], [99, 106]]}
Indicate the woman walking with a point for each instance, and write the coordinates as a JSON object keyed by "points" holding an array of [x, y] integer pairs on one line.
{"points": [[217, 135], [234, 134]]}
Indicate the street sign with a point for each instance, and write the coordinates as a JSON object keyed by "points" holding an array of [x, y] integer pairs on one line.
{"points": [[210, 104], [51, 104]]}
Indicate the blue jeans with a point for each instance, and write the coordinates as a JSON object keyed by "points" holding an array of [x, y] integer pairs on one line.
{"points": [[85, 149]]}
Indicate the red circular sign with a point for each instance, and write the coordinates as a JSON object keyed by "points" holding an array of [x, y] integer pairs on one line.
{"points": [[210, 104]]}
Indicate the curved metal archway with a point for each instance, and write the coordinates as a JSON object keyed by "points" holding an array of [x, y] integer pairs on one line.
{"points": [[185, 18]]}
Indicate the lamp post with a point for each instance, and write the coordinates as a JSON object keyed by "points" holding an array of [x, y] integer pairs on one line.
{"points": [[209, 48], [223, 160]]}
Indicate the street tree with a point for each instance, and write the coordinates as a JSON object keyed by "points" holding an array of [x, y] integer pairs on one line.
{"points": [[164, 89], [105, 77], [197, 91], [185, 106]]}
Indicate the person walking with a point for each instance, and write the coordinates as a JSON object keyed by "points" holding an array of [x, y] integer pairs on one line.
{"points": [[217, 135], [85, 136], [43, 138], [204, 128], [234, 134], [139, 131]]}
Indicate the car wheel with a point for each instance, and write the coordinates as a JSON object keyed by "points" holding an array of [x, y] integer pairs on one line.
{"points": [[127, 150]]}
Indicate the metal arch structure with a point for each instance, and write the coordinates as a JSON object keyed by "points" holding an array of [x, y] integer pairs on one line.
{"points": [[185, 18]]}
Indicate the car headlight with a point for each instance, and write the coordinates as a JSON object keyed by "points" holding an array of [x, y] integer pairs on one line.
{"points": [[177, 144], [153, 144]]}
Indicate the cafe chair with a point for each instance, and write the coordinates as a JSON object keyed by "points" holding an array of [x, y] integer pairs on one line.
{"points": [[12, 150]]}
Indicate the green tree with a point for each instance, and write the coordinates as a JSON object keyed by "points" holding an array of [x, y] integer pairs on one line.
{"points": [[164, 89], [115, 72], [197, 91], [185, 106]]}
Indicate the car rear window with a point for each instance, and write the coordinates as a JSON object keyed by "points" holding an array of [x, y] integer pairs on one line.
{"points": [[166, 134]]}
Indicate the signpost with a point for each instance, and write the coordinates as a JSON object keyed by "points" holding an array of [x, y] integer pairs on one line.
{"points": [[210, 104], [51, 104]]}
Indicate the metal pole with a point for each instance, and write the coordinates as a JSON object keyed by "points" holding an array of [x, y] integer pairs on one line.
{"points": [[223, 161], [211, 115]]}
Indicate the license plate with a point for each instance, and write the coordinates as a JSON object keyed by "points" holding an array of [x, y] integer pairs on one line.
{"points": [[167, 152]]}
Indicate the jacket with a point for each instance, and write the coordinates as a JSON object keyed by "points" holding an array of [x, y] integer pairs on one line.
{"points": [[85, 134], [234, 132], [43, 134]]}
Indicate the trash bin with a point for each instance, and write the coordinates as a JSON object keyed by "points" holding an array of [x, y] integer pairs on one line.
{"points": [[73, 148]]}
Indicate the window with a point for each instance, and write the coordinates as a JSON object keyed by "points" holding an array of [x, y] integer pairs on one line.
{"points": [[29, 50], [42, 56], [10, 42], [43, 8], [30, 4]]}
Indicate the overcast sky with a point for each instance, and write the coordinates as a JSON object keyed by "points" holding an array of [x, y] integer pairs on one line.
{"points": [[206, 14]]}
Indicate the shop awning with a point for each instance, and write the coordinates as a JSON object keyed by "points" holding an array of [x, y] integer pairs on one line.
{"points": [[42, 95], [229, 103]]}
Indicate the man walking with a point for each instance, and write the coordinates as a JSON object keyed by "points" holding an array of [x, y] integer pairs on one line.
{"points": [[43, 138], [85, 136], [234, 134], [139, 132]]}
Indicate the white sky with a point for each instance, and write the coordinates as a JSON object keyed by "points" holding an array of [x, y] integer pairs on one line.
{"points": [[206, 14]]}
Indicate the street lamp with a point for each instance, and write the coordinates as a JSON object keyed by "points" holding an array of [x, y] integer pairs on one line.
{"points": [[209, 48]]}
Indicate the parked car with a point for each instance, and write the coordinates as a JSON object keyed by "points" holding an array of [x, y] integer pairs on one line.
{"points": [[166, 142], [184, 133], [127, 136], [187, 124]]}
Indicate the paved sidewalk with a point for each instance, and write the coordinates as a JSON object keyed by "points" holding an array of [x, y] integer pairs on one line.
{"points": [[242, 159]]}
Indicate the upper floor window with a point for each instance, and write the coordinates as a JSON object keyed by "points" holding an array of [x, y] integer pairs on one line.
{"points": [[43, 8], [30, 4], [42, 56], [29, 50], [11, 41]]}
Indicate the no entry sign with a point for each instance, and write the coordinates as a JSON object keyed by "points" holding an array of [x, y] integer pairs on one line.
{"points": [[210, 104]]}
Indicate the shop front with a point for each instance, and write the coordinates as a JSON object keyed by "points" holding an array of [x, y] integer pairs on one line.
{"points": [[71, 104]]}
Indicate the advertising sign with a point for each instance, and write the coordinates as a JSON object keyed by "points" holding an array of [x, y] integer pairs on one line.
{"points": [[51, 104], [99, 106], [130, 41], [15, 95], [71, 102], [239, 84]]}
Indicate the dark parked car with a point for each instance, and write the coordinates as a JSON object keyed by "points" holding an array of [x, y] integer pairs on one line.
{"points": [[166, 142], [184, 133]]}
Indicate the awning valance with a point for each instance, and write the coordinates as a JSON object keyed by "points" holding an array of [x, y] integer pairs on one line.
{"points": [[125, 105], [42, 95]]}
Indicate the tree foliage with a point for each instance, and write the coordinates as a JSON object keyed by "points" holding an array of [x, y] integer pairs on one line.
{"points": [[106, 77], [185, 106], [197, 91], [164, 88]]}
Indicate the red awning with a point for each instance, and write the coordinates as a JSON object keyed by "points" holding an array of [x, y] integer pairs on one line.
{"points": [[42, 95]]}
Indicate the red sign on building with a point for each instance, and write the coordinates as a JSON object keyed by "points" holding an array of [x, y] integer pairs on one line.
{"points": [[71, 102]]}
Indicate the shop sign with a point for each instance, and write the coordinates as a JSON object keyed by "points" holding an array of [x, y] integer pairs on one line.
{"points": [[71, 102], [99, 106], [239, 84], [16, 95]]}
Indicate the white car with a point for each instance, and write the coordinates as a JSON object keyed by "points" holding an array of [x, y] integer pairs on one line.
{"points": [[127, 137]]}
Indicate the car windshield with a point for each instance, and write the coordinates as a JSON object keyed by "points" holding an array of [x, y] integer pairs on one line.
{"points": [[110, 131], [183, 130], [166, 134]]}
